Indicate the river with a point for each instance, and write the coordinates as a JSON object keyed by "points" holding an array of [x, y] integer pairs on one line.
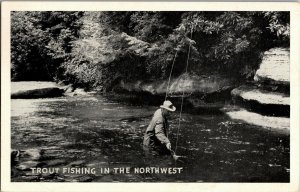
{"points": [[97, 131]]}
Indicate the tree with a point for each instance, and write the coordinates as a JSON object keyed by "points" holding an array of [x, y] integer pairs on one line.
{"points": [[40, 42], [100, 49], [28, 56]]}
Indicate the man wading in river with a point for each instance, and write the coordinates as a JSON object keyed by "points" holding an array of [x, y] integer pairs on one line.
{"points": [[155, 138]]}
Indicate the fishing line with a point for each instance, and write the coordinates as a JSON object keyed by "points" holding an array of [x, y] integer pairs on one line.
{"points": [[170, 75], [186, 68]]}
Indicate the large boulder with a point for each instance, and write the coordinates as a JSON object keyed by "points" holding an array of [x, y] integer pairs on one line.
{"points": [[38, 93]]}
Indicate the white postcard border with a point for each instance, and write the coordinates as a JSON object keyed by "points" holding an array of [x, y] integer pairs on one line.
{"points": [[294, 8]]}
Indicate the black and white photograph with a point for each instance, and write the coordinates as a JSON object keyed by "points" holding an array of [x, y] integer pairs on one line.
{"points": [[150, 96]]}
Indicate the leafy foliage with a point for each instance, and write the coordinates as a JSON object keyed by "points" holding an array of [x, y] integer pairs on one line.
{"points": [[99, 49], [40, 43], [28, 43]]}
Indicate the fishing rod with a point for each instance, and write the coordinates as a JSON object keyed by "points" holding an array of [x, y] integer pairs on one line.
{"points": [[176, 157]]}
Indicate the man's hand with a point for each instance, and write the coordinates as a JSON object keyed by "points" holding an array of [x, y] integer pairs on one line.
{"points": [[168, 146]]}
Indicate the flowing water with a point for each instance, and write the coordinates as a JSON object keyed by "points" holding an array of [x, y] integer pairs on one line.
{"points": [[97, 132]]}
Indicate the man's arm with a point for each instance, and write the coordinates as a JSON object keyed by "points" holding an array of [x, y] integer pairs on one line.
{"points": [[159, 132]]}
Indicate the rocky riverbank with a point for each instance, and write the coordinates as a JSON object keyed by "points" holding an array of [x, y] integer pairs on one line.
{"points": [[266, 101]]}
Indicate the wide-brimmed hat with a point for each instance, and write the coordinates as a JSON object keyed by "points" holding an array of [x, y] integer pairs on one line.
{"points": [[168, 106]]}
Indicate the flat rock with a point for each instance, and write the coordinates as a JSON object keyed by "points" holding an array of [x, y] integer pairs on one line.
{"points": [[278, 124], [261, 96], [262, 101], [38, 93], [275, 67], [30, 85]]}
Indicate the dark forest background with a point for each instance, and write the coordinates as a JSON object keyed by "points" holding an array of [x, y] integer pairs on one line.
{"points": [[99, 49]]}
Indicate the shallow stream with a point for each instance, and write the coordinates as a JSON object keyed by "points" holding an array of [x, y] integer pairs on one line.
{"points": [[97, 132]]}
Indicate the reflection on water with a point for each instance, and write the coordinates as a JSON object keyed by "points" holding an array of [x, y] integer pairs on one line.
{"points": [[93, 131]]}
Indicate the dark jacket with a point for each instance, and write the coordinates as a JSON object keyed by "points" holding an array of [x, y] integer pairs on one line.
{"points": [[156, 133]]}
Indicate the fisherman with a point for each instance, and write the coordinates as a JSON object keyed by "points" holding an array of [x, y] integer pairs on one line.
{"points": [[156, 139]]}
